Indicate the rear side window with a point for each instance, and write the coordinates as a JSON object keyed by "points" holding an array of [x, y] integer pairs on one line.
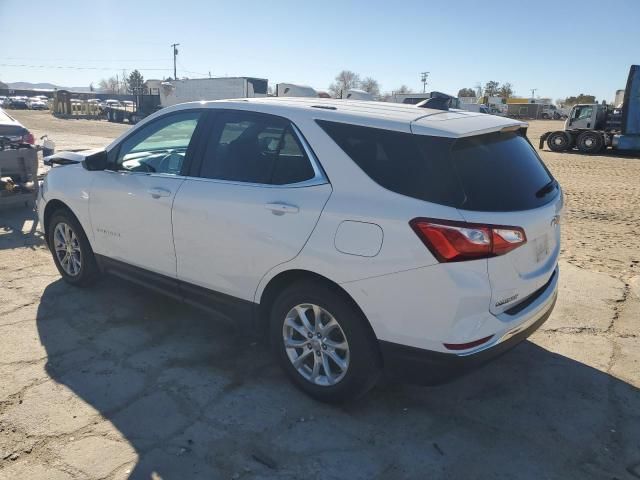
{"points": [[397, 161], [493, 172]]}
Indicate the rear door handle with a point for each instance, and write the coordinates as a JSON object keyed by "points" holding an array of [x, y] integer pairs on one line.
{"points": [[158, 192], [281, 208]]}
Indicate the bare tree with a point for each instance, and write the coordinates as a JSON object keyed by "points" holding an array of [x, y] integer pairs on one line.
{"points": [[491, 88], [506, 90], [370, 85], [109, 85], [403, 89], [582, 98], [466, 92], [344, 81]]}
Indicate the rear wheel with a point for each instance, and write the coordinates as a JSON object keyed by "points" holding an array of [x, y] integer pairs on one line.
{"points": [[71, 251], [559, 141], [590, 142], [323, 343]]}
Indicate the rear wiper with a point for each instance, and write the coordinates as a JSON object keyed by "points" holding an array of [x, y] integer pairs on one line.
{"points": [[549, 187]]}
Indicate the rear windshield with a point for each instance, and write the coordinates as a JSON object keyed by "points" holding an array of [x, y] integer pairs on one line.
{"points": [[495, 172]]}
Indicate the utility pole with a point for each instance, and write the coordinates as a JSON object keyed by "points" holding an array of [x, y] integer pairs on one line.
{"points": [[423, 79], [533, 93], [175, 54]]}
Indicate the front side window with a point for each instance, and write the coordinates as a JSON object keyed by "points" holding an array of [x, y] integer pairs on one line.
{"points": [[253, 148], [583, 113], [159, 147]]}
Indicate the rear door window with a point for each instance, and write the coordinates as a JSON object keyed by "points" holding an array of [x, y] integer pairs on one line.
{"points": [[256, 148], [492, 172]]}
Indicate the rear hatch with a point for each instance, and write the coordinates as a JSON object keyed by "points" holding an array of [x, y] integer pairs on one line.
{"points": [[484, 167], [505, 183]]}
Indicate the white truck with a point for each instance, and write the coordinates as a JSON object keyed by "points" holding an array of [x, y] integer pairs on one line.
{"points": [[173, 92]]}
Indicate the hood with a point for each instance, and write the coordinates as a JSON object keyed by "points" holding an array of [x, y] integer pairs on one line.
{"points": [[67, 158]]}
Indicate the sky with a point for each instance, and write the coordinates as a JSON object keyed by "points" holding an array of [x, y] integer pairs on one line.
{"points": [[560, 47]]}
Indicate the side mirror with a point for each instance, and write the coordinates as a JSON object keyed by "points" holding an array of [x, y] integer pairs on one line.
{"points": [[96, 161]]}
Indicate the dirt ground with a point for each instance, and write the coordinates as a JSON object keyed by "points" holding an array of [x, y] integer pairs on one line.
{"points": [[116, 382]]}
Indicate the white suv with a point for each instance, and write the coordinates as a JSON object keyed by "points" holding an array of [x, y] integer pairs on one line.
{"points": [[365, 236]]}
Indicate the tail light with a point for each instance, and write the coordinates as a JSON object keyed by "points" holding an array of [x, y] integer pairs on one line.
{"points": [[28, 138], [451, 241]]}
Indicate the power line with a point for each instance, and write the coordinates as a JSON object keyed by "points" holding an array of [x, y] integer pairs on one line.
{"points": [[191, 71], [70, 67], [85, 60]]}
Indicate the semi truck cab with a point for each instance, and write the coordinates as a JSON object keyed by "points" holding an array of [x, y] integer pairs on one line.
{"points": [[586, 116]]}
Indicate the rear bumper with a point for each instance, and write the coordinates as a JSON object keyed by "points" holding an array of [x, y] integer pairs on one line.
{"points": [[427, 367]]}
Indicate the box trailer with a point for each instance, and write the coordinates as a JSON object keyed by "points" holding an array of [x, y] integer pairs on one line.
{"points": [[173, 92]]}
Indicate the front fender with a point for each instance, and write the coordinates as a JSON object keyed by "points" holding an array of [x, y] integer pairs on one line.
{"points": [[70, 186]]}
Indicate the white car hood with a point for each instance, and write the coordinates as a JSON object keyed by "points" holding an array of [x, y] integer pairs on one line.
{"points": [[66, 158]]}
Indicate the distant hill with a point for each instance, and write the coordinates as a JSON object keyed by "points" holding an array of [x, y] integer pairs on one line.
{"points": [[28, 85], [49, 86]]}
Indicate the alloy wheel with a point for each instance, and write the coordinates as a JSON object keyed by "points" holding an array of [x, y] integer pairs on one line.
{"points": [[316, 344], [67, 249]]}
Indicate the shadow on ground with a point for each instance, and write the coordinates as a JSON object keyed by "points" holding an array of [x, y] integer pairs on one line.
{"points": [[192, 398], [198, 400], [18, 228]]}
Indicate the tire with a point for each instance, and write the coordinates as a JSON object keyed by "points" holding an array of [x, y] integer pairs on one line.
{"points": [[590, 142], [68, 240], [361, 358], [559, 141]]}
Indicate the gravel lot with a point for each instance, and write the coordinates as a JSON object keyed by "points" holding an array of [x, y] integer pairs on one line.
{"points": [[116, 382]]}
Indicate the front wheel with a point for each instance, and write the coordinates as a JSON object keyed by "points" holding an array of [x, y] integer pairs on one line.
{"points": [[558, 141], [71, 250], [323, 343]]}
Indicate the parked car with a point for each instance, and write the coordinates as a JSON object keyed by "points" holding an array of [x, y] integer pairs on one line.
{"points": [[13, 131], [358, 236], [37, 104], [17, 103]]}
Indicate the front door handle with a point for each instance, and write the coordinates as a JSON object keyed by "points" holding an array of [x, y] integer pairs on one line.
{"points": [[281, 208], [158, 192]]}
